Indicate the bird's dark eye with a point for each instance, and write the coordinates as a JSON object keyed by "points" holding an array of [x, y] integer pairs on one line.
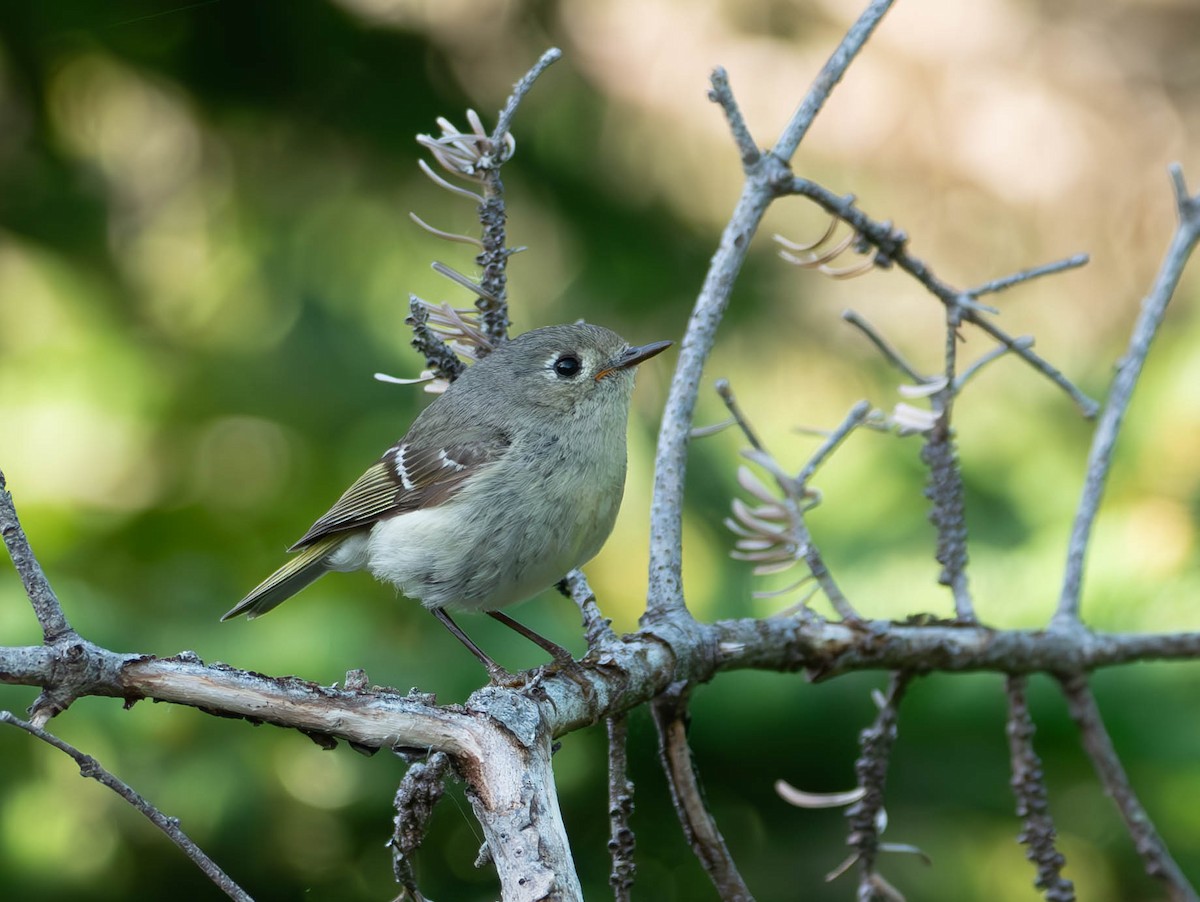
{"points": [[567, 365]]}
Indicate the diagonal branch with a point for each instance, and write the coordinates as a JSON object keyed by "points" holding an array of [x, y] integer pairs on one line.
{"points": [[670, 718], [90, 767], [831, 73], [1129, 368], [46, 606], [1096, 742]]}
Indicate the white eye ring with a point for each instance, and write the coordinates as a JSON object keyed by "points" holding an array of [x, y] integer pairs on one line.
{"points": [[568, 366]]}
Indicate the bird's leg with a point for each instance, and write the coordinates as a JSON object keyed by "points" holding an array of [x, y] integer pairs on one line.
{"points": [[560, 654], [496, 673]]}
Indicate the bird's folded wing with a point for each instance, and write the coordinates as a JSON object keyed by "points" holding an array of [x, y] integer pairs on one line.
{"points": [[407, 478]]}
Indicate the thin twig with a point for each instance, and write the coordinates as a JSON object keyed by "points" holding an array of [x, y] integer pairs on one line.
{"points": [[1025, 341], [520, 89], [90, 768], [891, 245], [885, 348], [1129, 368], [418, 795], [46, 606], [670, 712], [722, 94], [1146, 840], [1029, 786], [831, 73], [853, 419], [1026, 275], [621, 840], [726, 392], [793, 502], [597, 628]]}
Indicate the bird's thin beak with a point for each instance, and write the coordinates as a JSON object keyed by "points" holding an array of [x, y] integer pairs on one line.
{"points": [[632, 357]]}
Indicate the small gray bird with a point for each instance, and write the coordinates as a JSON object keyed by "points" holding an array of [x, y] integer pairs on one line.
{"points": [[503, 484]]}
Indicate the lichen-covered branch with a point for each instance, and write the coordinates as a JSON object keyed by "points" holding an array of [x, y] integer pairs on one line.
{"points": [[1029, 787], [866, 815], [418, 795]]}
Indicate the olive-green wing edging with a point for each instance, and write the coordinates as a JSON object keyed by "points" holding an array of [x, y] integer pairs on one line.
{"points": [[285, 582], [405, 479]]}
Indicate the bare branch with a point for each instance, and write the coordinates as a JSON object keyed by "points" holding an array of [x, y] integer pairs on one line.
{"points": [[885, 348], [774, 534], [520, 89], [853, 419], [670, 718], [89, 767], [995, 353], [1026, 275], [597, 628], [721, 93], [1029, 786], [1129, 368], [46, 606], [620, 807], [764, 179], [891, 244], [831, 73], [1096, 742]]}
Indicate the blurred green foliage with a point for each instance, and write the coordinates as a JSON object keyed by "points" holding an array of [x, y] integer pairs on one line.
{"points": [[204, 256]]}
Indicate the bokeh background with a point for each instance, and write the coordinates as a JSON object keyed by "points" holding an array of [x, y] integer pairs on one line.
{"points": [[205, 255]]}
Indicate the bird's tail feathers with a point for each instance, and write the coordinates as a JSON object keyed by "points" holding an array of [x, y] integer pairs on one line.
{"points": [[309, 564]]}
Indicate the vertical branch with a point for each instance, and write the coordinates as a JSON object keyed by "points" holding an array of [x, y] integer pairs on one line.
{"points": [[1096, 742], [945, 487], [764, 178], [866, 815], [1129, 368], [1028, 785], [419, 792], [621, 840], [670, 719]]}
